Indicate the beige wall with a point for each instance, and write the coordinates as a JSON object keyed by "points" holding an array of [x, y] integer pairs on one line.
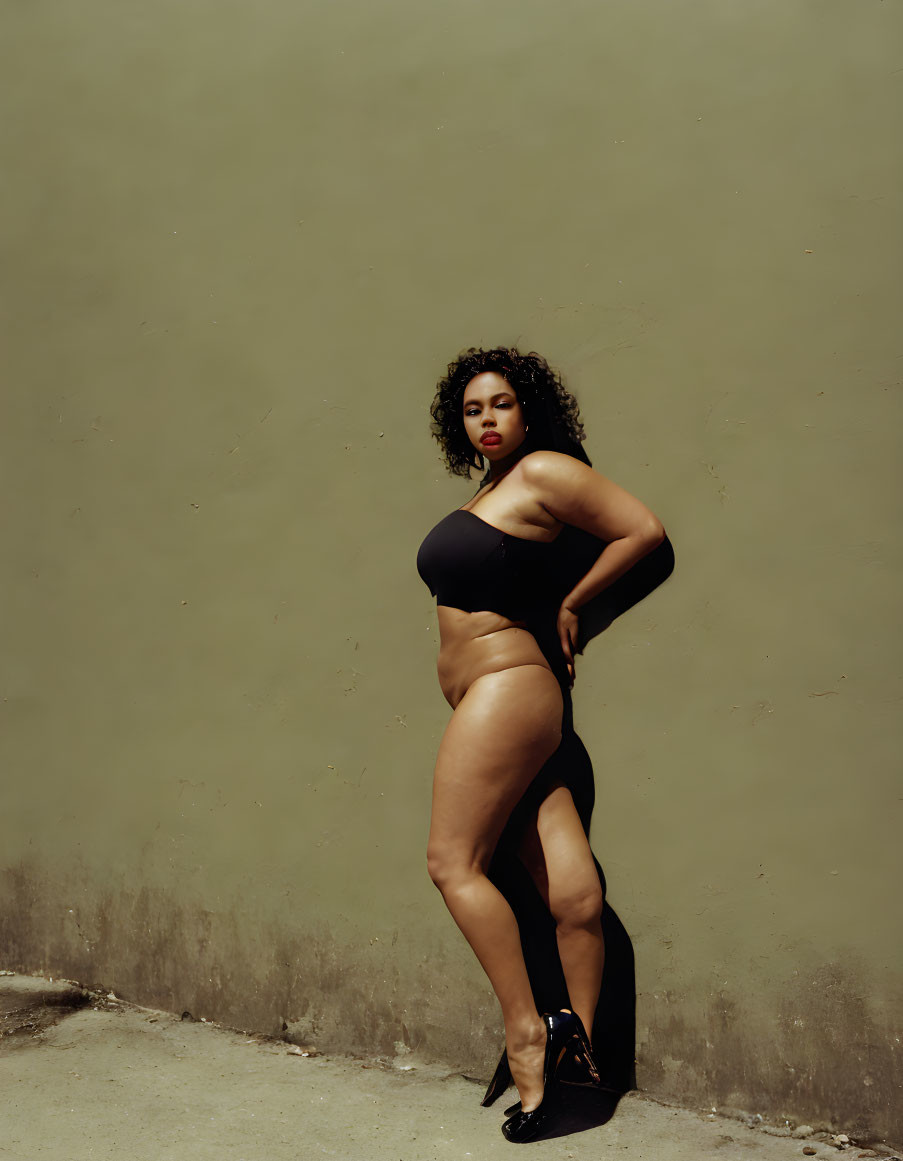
{"points": [[241, 242]]}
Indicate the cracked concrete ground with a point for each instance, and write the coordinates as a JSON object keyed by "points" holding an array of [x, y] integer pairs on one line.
{"points": [[83, 1078]]}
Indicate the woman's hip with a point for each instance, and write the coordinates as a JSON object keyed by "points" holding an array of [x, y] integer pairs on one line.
{"points": [[514, 711]]}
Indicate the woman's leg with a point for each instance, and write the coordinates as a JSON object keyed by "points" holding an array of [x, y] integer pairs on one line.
{"points": [[500, 734], [557, 854]]}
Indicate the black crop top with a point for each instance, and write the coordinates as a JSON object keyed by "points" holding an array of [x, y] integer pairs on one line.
{"points": [[471, 565]]}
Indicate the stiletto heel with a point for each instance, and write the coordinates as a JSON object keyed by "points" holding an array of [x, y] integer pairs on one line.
{"points": [[501, 1081], [523, 1126]]}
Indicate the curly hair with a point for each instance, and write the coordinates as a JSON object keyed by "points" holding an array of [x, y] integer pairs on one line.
{"points": [[550, 410]]}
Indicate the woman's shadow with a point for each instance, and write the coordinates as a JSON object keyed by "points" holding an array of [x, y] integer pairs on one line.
{"points": [[614, 1029], [581, 550], [614, 1026]]}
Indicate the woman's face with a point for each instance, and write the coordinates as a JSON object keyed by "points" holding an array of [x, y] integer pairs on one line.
{"points": [[493, 418]]}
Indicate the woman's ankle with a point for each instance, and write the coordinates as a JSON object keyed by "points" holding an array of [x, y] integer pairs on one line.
{"points": [[524, 1034], [526, 1051]]}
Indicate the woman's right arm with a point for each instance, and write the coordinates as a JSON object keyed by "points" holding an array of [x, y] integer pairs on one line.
{"points": [[574, 493]]}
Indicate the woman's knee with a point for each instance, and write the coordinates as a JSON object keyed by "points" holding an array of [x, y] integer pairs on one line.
{"points": [[436, 866], [449, 868], [580, 907]]}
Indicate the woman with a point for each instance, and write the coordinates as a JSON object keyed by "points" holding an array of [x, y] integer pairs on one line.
{"points": [[506, 664]]}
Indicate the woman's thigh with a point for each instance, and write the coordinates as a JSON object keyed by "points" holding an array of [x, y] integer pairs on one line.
{"points": [[556, 852], [503, 729]]}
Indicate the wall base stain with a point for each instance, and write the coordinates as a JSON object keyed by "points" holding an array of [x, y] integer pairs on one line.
{"points": [[821, 1057]]}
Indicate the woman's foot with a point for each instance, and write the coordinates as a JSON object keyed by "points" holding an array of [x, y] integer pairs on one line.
{"points": [[527, 1124], [526, 1056]]}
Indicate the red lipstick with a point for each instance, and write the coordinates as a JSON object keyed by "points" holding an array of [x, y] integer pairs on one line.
{"points": [[490, 437]]}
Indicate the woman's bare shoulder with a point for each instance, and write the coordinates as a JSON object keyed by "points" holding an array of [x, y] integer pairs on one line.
{"points": [[544, 466], [577, 494]]}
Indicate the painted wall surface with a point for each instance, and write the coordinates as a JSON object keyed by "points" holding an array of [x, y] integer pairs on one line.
{"points": [[241, 242]]}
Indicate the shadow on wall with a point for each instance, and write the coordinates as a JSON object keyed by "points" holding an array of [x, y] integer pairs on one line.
{"points": [[614, 1027], [582, 550]]}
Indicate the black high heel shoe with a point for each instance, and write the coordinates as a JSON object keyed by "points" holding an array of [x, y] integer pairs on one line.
{"points": [[522, 1127], [501, 1081], [578, 1066]]}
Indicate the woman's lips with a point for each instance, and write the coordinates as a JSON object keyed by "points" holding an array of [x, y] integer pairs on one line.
{"points": [[490, 437]]}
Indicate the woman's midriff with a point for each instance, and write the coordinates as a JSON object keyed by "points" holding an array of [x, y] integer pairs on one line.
{"points": [[474, 644]]}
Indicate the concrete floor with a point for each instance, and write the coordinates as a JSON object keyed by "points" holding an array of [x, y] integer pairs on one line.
{"points": [[111, 1081]]}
